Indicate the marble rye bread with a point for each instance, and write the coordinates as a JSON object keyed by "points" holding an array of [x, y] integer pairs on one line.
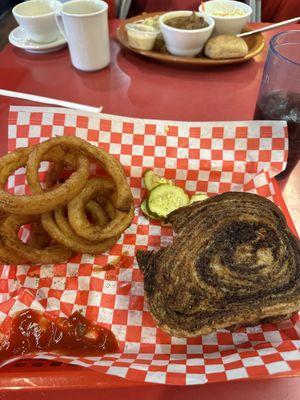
{"points": [[233, 262]]}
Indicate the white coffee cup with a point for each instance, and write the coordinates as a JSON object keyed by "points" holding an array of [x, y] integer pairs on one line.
{"points": [[37, 18], [84, 23]]}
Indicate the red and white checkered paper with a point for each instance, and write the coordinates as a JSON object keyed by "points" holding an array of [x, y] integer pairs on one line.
{"points": [[212, 157]]}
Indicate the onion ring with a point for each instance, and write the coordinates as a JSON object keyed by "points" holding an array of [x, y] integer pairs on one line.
{"points": [[41, 201], [55, 253], [17, 159], [52, 175], [39, 237], [6, 255], [107, 206], [9, 257], [97, 213], [58, 227], [61, 231], [122, 198], [12, 161], [55, 168], [79, 221]]}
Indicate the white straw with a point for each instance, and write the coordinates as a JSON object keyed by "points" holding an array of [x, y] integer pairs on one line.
{"points": [[49, 100], [270, 27]]}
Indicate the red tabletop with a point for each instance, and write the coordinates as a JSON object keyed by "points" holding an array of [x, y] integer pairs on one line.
{"points": [[138, 87]]}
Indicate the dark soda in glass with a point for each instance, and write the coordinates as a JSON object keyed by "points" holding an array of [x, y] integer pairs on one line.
{"points": [[281, 105], [279, 93]]}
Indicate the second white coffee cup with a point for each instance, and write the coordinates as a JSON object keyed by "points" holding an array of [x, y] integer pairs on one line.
{"points": [[84, 23]]}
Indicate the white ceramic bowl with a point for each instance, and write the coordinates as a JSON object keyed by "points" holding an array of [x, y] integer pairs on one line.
{"points": [[229, 25], [183, 42]]}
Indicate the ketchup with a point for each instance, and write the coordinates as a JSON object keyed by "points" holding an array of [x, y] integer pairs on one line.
{"points": [[74, 336]]}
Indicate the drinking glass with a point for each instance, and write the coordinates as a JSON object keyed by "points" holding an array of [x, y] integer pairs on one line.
{"points": [[279, 94]]}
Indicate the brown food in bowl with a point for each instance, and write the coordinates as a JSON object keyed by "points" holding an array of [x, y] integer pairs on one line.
{"points": [[190, 22]]}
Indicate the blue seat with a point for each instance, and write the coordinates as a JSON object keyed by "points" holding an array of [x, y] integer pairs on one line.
{"points": [[6, 5]]}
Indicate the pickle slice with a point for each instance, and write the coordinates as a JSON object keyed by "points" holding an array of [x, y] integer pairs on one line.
{"points": [[198, 197], [165, 198], [152, 180], [145, 210]]}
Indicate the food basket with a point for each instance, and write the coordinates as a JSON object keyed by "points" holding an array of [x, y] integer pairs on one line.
{"points": [[212, 157]]}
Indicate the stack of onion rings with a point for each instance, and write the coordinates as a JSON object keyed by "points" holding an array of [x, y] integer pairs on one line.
{"points": [[81, 214]]}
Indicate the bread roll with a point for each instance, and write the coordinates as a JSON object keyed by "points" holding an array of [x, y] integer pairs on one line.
{"points": [[225, 46]]}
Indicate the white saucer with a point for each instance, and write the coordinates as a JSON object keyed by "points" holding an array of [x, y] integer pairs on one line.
{"points": [[17, 37]]}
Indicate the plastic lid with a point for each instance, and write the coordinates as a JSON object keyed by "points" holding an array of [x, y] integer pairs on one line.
{"points": [[141, 28]]}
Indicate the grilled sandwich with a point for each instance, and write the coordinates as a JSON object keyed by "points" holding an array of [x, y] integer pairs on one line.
{"points": [[234, 261]]}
